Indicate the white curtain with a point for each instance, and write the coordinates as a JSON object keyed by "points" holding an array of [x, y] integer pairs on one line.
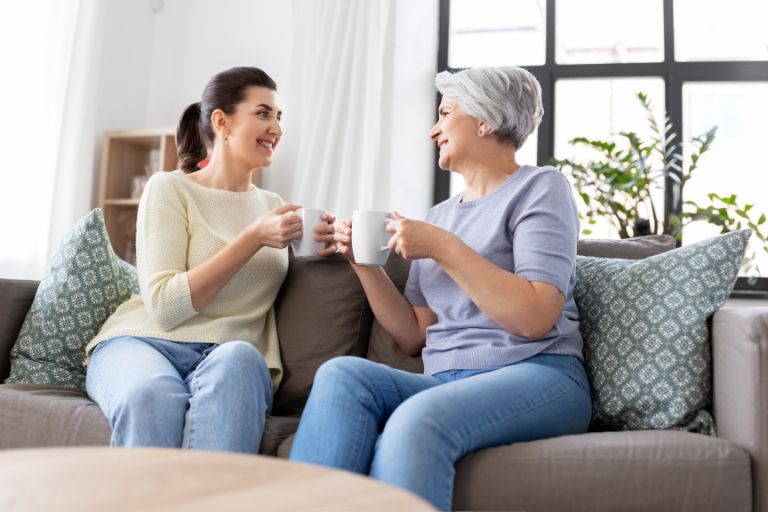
{"points": [[36, 37], [340, 121], [76, 177]]}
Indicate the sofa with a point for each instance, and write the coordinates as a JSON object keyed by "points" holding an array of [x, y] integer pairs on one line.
{"points": [[322, 312]]}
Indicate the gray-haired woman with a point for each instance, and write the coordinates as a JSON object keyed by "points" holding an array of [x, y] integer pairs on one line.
{"points": [[489, 303]]}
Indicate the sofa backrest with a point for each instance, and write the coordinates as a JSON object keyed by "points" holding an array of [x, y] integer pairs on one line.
{"points": [[15, 300], [321, 313]]}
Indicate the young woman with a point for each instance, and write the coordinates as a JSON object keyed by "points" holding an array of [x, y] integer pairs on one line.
{"points": [[488, 303], [193, 360]]}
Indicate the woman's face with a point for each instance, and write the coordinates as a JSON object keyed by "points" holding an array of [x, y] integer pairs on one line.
{"points": [[455, 133], [254, 129]]}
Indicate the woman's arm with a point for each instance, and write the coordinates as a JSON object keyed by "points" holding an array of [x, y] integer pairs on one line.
{"points": [[524, 308], [406, 324], [273, 229]]}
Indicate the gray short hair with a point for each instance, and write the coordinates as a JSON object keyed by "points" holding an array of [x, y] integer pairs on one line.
{"points": [[507, 98]]}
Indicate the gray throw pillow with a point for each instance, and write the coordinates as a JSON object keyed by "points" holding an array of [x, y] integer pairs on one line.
{"points": [[646, 340], [84, 284]]}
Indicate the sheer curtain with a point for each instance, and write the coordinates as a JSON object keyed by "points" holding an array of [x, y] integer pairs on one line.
{"points": [[37, 41], [340, 120]]}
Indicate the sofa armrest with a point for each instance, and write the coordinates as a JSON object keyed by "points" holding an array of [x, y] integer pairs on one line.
{"points": [[15, 300], [740, 384]]}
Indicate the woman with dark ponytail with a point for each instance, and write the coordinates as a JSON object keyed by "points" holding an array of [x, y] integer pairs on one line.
{"points": [[192, 361]]}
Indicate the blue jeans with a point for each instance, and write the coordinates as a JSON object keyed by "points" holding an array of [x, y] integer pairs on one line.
{"points": [[181, 395], [430, 422]]}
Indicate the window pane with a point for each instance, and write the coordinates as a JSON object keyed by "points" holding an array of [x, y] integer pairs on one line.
{"points": [[600, 109], [526, 156], [717, 30], [496, 32], [603, 31], [734, 164]]}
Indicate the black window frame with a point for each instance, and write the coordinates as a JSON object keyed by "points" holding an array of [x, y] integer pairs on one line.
{"points": [[674, 73]]}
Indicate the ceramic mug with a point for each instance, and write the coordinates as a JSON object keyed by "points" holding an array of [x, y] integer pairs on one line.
{"points": [[306, 247], [370, 237]]}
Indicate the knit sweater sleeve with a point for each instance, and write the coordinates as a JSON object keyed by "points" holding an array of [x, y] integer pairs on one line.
{"points": [[161, 253]]}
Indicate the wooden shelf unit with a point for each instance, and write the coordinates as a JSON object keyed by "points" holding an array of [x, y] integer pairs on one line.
{"points": [[125, 155]]}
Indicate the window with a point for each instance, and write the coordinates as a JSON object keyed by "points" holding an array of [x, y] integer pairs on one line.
{"points": [[704, 62]]}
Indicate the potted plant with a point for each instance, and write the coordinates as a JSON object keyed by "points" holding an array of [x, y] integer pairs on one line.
{"points": [[621, 183]]}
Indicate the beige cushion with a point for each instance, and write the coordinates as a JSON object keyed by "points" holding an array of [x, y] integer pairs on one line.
{"points": [[41, 415], [321, 313], [609, 471]]}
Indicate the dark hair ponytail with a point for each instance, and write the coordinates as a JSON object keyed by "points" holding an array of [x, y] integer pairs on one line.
{"points": [[224, 92], [189, 140]]}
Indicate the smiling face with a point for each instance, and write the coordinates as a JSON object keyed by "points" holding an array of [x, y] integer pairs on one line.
{"points": [[254, 128], [455, 133]]}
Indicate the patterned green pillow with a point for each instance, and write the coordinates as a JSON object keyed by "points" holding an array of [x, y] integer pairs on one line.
{"points": [[84, 284], [646, 340]]}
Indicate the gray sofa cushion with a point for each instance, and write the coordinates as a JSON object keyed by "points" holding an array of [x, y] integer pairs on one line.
{"points": [[16, 297], [610, 472], [41, 415], [604, 472], [36, 415]]}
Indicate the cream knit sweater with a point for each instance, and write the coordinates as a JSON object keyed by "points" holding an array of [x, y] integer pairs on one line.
{"points": [[180, 225]]}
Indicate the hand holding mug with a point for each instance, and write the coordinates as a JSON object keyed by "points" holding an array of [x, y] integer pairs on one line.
{"points": [[317, 234], [278, 227], [415, 239], [368, 244]]}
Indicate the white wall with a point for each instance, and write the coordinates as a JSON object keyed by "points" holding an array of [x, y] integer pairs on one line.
{"points": [[195, 39]]}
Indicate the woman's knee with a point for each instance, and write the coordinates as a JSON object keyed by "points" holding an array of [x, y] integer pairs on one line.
{"points": [[343, 370], [156, 399], [239, 357]]}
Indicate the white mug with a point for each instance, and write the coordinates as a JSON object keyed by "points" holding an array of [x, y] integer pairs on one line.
{"points": [[306, 248], [370, 237]]}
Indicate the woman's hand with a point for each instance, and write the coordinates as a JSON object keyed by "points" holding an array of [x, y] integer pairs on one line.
{"points": [[343, 238], [326, 233], [278, 227], [414, 239]]}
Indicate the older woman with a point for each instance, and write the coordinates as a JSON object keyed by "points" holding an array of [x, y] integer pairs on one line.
{"points": [[489, 303]]}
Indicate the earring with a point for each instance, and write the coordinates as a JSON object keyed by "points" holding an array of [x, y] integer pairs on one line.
{"points": [[226, 140], [481, 132]]}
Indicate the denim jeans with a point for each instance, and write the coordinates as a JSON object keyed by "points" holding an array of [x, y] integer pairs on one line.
{"points": [[430, 422], [163, 393]]}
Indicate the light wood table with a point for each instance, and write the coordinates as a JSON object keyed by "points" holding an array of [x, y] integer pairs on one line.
{"points": [[116, 479]]}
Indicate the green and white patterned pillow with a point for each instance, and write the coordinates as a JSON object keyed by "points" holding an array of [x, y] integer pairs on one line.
{"points": [[646, 340], [84, 284]]}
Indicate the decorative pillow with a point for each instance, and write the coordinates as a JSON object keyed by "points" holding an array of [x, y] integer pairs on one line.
{"points": [[84, 284], [321, 313], [646, 340]]}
